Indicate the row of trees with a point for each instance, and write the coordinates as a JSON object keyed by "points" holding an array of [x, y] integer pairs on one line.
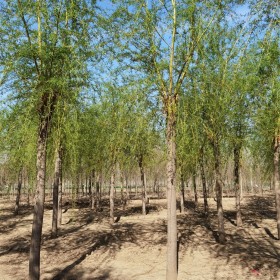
{"points": [[89, 86]]}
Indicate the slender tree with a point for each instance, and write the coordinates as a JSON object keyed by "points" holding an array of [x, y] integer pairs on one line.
{"points": [[168, 63], [46, 33], [267, 121], [57, 191]]}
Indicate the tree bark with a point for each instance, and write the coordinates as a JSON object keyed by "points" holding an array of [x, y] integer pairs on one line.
{"points": [[112, 193], [251, 181], [28, 193], [143, 181], [203, 179], [123, 197], [219, 193], [172, 257], [77, 188], [19, 185], [56, 192], [195, 191], [276, 176], [93, 189], [182, 194], [60, 187], [97, 187], [36, 235], [127, 188], [237, 185], [90, 186], [86, 186]]}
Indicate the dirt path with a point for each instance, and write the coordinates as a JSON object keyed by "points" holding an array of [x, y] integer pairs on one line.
{"points": [[135, 247]]}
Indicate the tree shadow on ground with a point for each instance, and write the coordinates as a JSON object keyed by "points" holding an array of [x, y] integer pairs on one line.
{"points": [[254, 245], [67, 272], [111, 240], [255, 253], [78, 274], [18, 245], [189, 204], [260, 207], [257, 209], [251, 247], [137, 210], [194, 229], [9, 221], [231, 217], [87, 215]]}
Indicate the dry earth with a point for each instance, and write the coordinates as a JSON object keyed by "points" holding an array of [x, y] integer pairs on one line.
{"points": [[134, 248]]}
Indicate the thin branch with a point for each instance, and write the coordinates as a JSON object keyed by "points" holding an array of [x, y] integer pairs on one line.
{"points": [[159, 75], [172, 49], [28, 36], [184, 69]]}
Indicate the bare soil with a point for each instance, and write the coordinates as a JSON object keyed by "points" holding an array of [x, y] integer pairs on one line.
{"points": [[134, 248]]}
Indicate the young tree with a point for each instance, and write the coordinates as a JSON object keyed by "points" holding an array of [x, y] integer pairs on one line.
{"points": [[40, 38], [267, 118], [142, 136], [57, 184], [161, 39], [18, 144]]}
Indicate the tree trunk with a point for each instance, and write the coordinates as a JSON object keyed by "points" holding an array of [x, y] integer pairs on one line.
{"points": [[77, 188], [56, 193], [182, 194], [86, 186], [93, 189], [241, 185], [55, 198], [123, 196], [277, 180], [219, 194], [60, 200], [60, 154], [121, 182], [35, 246], [90, 187], [112, 192], [237, 185], [203, 179], [143, 181], [97, 188], [28, 193], [127, 189], [195, 191], [18, 191], [251, 181], [172, 257], [100, 185], [155, 185]]}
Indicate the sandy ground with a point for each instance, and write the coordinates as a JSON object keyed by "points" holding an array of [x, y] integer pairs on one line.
{"points": [[134, 248]]}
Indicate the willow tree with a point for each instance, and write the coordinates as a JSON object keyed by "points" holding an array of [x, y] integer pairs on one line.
{"points": [[188, 140], [63, 129], [91, 145], [219, 59], [241, 86], [267, 115], [18, 143], [265, 95], [160, 40], [44, 45], [20, 146], [112, 120], [142, 135]]}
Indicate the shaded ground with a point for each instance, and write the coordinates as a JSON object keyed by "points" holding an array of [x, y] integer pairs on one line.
{"points": [[134, 248]]}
